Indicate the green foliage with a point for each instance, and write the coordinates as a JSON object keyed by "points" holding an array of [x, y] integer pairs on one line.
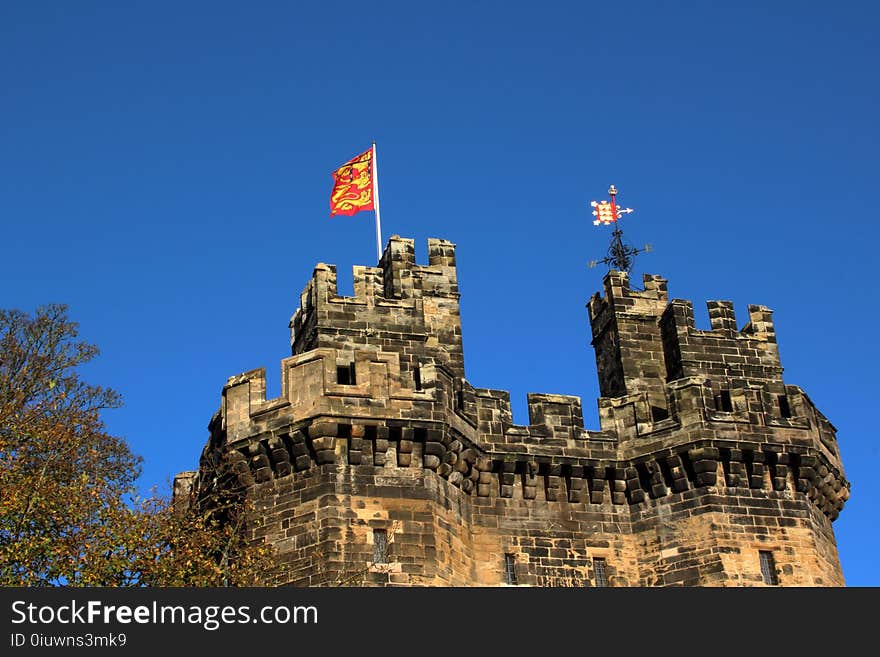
{"points": [[67, 511]]}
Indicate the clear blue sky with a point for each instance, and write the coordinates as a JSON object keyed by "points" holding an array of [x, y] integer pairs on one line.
{"points": [[165, 171]]}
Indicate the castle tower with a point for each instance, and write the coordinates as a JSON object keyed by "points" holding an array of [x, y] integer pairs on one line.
{"points": [[380, 464], [398, 306], [706, 414]]}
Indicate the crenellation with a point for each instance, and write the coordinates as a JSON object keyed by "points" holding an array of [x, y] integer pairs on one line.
{"points": [[397, 264], [626, 337], [760, 325], [368, 286], [722, 317], [703, 453]]}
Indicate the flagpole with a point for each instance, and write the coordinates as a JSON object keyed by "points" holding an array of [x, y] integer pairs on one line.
{"points": [[375, 178]]}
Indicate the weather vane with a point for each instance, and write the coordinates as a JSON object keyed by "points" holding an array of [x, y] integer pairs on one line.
{"points": [[621, 256]]}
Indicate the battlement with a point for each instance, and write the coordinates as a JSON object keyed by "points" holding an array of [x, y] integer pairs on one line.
{"points": [[723, 353], [659, 374], [399, 305], [556, 425], [466, 436], [402, 278], [383, 392], [377, 427], [626, 337], [676, 384], [643, 341], [621, 298]]}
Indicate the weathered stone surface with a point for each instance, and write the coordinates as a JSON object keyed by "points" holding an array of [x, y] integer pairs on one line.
{"points": [[704, 456]]}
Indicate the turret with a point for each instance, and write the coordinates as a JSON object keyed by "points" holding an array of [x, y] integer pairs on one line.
{"points": [[398, 306], [627, 339]]}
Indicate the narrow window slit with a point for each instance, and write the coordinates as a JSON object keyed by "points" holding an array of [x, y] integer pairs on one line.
{"points": [[380, 546], [768, 568], [784, 407], [723, 402], [600, 572], [510, 569]]}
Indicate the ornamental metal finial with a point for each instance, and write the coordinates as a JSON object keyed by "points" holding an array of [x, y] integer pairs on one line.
{"points": [[621, 256]]}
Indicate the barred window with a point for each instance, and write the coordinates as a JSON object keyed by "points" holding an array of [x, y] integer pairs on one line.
{"points": [[600, 572], [510, 569], [768, 568], [380, 546]]}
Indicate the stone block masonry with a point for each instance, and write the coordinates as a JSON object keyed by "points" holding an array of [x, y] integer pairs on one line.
{"points": [[380, 463]]}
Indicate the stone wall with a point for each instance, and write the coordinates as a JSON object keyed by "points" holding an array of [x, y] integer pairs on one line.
{"points": [[380, 463]]}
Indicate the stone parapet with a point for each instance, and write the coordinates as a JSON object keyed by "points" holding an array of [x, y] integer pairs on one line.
{"points": [[705, 461]]}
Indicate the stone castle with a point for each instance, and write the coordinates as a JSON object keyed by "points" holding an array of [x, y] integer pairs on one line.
{"points": [[380, 463]]}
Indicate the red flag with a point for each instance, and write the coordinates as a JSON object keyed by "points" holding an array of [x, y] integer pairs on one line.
{"points": [[353, 186]]}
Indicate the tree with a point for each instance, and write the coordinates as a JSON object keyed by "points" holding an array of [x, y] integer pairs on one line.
{"points": [[68, 514]]}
